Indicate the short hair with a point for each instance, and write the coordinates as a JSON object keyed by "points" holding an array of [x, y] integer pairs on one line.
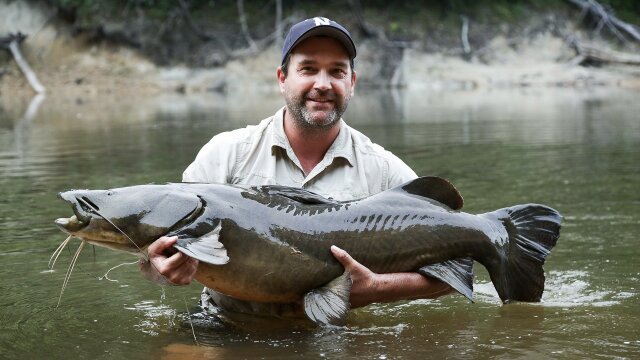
{"points": [[285, 65]]}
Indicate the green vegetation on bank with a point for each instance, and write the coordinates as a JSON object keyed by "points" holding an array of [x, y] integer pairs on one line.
{"points": [[209, 33], [502, 10]]}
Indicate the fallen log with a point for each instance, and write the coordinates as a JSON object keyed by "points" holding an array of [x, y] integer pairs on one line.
{"points": [[464, 35], [594, 54], [12, 43]]}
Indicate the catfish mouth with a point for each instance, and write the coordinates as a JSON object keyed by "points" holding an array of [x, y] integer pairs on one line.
{"points": [[83, 208]]}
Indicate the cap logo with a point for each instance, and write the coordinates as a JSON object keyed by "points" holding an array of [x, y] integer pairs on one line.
{"points": [[321, 21]]}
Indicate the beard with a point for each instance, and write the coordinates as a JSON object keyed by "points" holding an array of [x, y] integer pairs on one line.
{"points": [[306, 119]]}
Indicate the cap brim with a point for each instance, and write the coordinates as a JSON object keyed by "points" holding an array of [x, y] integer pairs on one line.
{"points": [[329, 31]]}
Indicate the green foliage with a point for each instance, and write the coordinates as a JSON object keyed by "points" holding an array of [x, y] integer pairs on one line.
{"points": [[400, 19], [498, 10], [626, 10]]}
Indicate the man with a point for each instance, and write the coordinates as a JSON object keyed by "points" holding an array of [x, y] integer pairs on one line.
{"points": [[305, 144]]}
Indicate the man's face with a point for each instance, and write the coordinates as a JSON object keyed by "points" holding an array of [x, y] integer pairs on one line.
{"points": [[319, 82]]}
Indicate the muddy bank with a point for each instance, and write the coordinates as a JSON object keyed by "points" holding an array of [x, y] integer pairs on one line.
{"points": [[72, 65]]}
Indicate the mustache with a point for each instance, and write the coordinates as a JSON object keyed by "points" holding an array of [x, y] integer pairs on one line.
{"points": [[321, 95]]}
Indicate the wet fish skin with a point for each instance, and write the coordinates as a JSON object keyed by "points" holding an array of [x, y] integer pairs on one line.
{"points": [[272, 243]]}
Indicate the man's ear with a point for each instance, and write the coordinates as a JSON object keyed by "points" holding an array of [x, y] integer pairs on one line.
{"points": [[353, 82], [281, 78]]}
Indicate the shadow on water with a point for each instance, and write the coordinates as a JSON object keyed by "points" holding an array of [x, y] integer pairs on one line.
{"points": [[576, 150]]}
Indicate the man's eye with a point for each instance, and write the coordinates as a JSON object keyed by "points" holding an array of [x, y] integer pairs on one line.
{"points": [[339, 72]]}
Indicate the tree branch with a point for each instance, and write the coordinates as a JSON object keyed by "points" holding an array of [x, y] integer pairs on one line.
{"points": [[243, 23], [465, 35], [12, 42], [606, 18]]}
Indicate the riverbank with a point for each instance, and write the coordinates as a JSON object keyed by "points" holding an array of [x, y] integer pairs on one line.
{"points": [[71, 64], [542, 62]]}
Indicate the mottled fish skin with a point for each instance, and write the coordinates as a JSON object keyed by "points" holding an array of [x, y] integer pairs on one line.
{"points": [[277, 239], [288, 250]]}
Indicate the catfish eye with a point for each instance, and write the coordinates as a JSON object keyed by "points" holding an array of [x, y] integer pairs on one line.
{"points": [[109, 193]]}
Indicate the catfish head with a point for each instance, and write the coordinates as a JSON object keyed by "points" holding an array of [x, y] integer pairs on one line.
{"points": [[129, 218]]}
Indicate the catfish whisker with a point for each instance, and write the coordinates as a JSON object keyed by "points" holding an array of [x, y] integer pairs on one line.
{"points": [[106, 275], [54, 256], [68, 274], [93, 208], [193, 331], [142, 253]]}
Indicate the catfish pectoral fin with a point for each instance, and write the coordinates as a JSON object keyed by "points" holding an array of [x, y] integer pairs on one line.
{"points": [[206, 248], [456, 273], [329, 304]]}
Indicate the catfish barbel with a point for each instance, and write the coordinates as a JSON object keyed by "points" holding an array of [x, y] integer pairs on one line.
{"points": [[272, 243]]}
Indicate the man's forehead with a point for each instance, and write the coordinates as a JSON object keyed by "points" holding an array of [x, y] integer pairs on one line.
{"points": [[301, 59]]}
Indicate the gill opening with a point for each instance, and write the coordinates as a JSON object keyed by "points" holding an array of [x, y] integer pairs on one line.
{"points": [[199, 210]]}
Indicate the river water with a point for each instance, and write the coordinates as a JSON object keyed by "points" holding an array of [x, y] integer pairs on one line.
{"points": [[576, 150]]}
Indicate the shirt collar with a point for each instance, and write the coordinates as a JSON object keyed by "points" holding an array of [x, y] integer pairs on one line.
{"points": [[342, 146]]}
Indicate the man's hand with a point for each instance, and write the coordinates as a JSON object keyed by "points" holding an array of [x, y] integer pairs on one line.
{"points": [[363, 281], [368, 287], [166, 265]]}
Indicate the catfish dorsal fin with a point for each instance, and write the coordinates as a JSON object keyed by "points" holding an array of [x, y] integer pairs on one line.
{"points": [[435, 188], [299, 195]]}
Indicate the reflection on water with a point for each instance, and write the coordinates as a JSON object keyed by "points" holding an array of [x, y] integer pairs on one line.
{"points": [[577, 151]]}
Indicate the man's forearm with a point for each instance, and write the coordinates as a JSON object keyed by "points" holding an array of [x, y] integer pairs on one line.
{"points": [[369, 287], [400, 286]]}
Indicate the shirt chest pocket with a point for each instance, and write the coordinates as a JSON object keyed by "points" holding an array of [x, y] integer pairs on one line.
{"points": [[344, 190]]}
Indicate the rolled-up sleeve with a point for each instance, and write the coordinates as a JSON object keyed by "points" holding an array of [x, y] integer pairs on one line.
{"points": [[399, 172], [215, 162]]}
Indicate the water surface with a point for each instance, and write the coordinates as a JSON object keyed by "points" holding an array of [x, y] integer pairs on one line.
{"points": [[577, 151]]}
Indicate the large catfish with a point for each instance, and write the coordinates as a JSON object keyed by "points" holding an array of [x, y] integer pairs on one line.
{"points": [[272, 243]]}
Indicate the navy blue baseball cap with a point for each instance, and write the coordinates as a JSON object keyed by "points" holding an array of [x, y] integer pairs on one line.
{"points": [[317, 26]]}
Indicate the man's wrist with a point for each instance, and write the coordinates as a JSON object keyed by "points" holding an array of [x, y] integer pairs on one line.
{"points": [[150, 273]]}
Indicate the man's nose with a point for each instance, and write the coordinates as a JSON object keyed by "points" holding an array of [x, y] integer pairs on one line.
{"points": [[323, 81]]}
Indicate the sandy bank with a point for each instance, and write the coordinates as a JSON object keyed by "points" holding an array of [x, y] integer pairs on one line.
{"points": [[70, 66]]}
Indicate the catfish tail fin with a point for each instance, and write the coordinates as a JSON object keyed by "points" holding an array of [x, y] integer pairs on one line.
{"points": [[533, 231]]}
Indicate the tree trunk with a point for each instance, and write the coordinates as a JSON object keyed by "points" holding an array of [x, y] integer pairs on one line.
{"points": [[13, 42], [279, 27], [245, 27]]}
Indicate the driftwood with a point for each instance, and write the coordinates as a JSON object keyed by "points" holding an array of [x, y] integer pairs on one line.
{"points": [[464, 35], [594, 54], [12, 43], [606, 18]]}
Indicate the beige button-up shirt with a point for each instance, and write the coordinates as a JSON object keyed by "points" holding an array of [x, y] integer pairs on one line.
{"points": [[352, 168]]}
